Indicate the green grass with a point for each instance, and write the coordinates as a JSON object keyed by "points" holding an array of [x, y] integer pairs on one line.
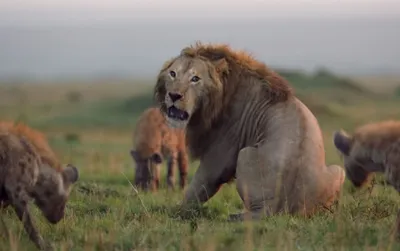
{"points": [[106, 213]]}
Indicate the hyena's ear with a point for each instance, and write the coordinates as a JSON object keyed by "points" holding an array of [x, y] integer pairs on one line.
{"points": [[156, 158], [135, 155], [342, 142], [70, 174]]}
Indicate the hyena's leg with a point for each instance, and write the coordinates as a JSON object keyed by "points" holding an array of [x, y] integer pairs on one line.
{"points": [[19, 182], [19, 200], [4, 200], [183, 164], [155, 176], [255, 186], [171, 171], [138, 178], [4, 204]]}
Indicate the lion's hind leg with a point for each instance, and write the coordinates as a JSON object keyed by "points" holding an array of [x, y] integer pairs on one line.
{"points": [[254, 185], [336, 179]]}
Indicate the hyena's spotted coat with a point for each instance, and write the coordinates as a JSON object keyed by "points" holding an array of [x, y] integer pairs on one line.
{"points": [[30, 171], [373, 147], [153, 140]]}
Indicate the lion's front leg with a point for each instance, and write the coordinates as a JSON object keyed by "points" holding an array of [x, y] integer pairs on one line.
{"points": [[217, 166], [213, 171], [202, 187]]}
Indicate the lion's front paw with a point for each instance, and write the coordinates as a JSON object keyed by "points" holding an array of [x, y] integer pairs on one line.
{"points": [[235, 217], [186, 212], [244, 216]]}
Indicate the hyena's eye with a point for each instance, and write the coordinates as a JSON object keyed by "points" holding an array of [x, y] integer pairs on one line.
{"points": [[195, 79], [172, 74]]}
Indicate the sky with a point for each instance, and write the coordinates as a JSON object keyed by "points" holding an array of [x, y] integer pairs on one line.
{"points": [[98, 37], [29, 12]]}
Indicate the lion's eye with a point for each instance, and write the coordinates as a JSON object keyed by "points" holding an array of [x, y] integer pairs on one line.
{"points": [[195, 79], [172, 73]]}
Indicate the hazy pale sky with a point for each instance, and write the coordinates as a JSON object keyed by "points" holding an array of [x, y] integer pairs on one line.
{"points": [[77, 11], [100, 37]]}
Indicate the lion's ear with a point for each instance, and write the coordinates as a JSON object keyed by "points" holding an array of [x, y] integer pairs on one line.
{"points": [[221, 65], [167, 64]]}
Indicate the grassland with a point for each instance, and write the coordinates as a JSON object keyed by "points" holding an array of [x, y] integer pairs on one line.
{"points": [[90, 124]]}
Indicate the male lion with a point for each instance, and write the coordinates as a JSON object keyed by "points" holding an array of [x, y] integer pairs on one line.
{"points": [[153, 140], [374, 147], [30, 170], [242, 120]]}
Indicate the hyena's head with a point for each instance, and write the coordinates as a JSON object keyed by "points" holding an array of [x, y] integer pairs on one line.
{"points": [[52, 190], [145, 164], [357, 157]]}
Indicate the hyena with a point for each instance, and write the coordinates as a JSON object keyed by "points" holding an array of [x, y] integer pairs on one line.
{"points": [[373, 147], [153, 140], [29, 171]]}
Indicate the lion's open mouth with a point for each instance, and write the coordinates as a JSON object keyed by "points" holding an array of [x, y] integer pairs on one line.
{"points": [[177, 114]]}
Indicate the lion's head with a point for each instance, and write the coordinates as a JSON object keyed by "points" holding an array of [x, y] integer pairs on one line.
{"points": [[196, 86], [189, 85]]}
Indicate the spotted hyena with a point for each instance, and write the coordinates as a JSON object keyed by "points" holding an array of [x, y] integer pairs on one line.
{"points": [[373, 147], [29, 171], [153, 140]]}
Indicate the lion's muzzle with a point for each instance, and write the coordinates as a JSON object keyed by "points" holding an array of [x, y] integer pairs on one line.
{"points": [[174, 96], [177, 114]]}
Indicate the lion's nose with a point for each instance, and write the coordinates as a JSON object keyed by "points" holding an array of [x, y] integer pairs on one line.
{"points": [[174, 96]]}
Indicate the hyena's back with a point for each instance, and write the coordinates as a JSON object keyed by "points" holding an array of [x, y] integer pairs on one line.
{"points": [[19, 165]]}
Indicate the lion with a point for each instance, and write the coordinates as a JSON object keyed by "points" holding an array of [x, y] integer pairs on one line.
{"points": [[30, 170], [153, 140], [372, 148], [243, 121]]}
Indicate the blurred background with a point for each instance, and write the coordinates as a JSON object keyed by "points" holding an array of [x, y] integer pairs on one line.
{"points": [[83, 71], [42, 39]]}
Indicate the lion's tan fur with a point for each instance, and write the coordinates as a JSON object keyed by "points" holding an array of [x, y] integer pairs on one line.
{"points": [[243, 109], [232, 70]]}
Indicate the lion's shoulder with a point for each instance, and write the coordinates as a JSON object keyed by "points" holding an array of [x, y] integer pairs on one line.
{"points": [[35, 138]]}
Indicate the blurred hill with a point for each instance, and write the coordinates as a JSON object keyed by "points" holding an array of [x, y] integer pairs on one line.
{"points": [[116, 104]]}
